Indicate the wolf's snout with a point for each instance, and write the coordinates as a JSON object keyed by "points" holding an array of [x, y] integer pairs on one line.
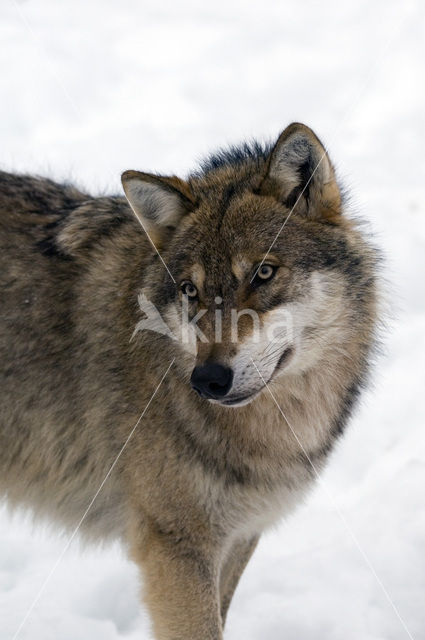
{"points": [[212, 380]]}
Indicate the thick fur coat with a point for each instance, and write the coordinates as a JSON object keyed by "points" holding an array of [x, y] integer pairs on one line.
{"points": [[207, 468]]}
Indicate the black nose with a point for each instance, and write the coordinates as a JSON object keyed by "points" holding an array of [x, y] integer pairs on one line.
{"points": [[212, 380]]}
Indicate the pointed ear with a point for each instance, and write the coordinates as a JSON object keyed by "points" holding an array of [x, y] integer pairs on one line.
{"points": [[158, 202], [300, 174]]}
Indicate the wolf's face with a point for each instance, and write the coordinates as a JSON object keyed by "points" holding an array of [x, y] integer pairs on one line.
{"points": [[263, 271]]}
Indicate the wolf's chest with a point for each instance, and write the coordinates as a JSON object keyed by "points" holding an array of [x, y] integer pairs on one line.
{"points": [[250, 510]]}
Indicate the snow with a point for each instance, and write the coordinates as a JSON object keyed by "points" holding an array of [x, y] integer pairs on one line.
{"points": [[92, 88]]}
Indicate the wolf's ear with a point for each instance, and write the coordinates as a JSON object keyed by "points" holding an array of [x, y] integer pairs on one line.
{"points": [[158, 202], [300, 174]]}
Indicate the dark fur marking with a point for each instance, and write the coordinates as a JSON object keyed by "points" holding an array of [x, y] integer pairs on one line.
{"points": [[227, 196], [305, 172], [311, 459], [348, 404], [234, 156], [48, 247]]}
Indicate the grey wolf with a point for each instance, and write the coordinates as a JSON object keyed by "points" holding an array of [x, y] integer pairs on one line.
{"points": [[213, 462]]}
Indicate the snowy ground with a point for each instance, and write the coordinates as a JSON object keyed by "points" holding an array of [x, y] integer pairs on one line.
{"points": [[89, 89]]}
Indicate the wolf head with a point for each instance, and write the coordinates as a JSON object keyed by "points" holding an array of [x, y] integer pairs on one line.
{"points": [[264, 276]]}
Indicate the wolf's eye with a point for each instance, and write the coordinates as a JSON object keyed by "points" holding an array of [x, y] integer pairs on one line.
{"points": [[189, 289], [264, 272]]}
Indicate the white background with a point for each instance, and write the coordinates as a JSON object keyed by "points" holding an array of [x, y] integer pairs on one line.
{"points": [[90, 88]]}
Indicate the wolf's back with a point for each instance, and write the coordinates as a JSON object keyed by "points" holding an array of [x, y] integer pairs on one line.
{"points": [[46, 361], [35, 292]]}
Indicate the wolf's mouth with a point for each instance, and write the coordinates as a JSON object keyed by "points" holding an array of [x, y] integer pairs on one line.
{"points": [[240, 401]]}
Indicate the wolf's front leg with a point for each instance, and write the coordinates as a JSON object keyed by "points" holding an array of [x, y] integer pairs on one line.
{"points": [[180, 587], [232, 569]]}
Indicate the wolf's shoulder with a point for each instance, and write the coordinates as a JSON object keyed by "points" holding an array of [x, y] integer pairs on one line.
{"points": [[35, 194], [59, 217], [95, 221]]}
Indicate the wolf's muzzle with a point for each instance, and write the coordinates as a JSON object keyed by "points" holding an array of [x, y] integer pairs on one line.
{"points": [[212, 380]]}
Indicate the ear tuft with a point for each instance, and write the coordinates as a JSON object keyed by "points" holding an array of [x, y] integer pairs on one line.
{"points": [[300, 174], [158, 202]]}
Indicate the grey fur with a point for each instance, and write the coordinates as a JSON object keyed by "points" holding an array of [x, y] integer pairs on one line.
{"points": [[198, 482]]}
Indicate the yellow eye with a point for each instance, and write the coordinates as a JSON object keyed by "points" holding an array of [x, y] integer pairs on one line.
{"points": [[189, 289], [266, 271]]}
